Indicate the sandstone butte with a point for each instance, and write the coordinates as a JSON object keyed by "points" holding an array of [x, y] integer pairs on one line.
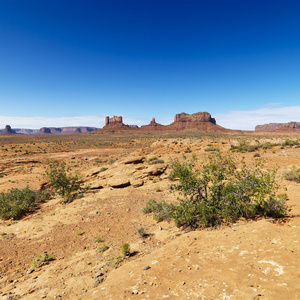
{"points": [[200, 121]]}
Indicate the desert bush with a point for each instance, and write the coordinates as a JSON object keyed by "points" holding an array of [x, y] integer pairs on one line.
{"points": [[219, 192], [293, 174], [126, 249], [98, 240], [156, 161], [161, 210], [63, 182], [16, 203], [102, 248], [102, 169], [152, 158], [290, 143], [211, 149], [141, 232], [41, 260], [245, 148]]}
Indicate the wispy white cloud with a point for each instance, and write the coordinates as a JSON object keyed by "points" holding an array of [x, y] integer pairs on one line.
{"points": [[38, 122], [247, 120]]}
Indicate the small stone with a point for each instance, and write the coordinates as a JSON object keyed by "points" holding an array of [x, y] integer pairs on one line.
{"points": [[84, 291], [196, 251], [98, 275], [135, 292], [146, 267], [183, 282], [30, 271]]}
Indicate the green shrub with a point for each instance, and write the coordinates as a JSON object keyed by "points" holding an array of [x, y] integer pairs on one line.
{"points": [[16, 203], [62, 181], [211, 149], [102, 169], [293, 174], [152, 158], [156, 161], [102, 248], [219, 192], [126, 249], [161, 210], [290, 143], [41, 260], [245, 148], [98, 240]]}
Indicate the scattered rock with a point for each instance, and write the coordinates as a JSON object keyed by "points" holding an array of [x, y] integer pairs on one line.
{"points": [[146, 267]]}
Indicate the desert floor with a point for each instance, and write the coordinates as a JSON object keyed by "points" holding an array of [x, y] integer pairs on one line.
{"points": [[254, 259]]}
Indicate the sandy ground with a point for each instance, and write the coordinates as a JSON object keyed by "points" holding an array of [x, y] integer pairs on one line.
{"points": [[246, 260]]}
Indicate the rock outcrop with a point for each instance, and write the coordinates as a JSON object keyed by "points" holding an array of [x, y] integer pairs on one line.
{"points": [[132, 171], [278, 126], [7, 131]]}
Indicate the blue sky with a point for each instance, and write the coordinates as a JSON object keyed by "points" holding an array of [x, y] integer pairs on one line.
{"points": [[65, 63]]}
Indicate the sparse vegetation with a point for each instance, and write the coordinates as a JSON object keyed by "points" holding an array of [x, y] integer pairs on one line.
{"points": [[293, 174], [126, 249], [161, 210], [102, 248], [98, 240], [41, 260], [220, 192], [63, 182], [17, 203], [141, 232], [211, 149], [114, 261]]}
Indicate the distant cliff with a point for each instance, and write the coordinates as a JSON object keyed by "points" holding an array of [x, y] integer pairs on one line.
{"points": [[66, 130], [278, 126]]}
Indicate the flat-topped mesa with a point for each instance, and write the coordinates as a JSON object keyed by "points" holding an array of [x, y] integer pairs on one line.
{"points": [[278, 126], [197, 117]]}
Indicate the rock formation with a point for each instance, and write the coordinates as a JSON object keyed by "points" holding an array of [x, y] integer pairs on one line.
{"points": [[197, 117], [153, 126], [66, 130], [115, 123], [115, 120], [7, 130], [278, 126], [198, 121]]}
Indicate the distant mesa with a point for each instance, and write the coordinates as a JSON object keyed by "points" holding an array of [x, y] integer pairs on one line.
{"points": [[197, 117], [66, 130], [290, 126], [201, 121], [7, 131]]}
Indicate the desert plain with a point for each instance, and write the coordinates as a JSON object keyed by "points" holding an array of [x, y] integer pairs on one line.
{"points": [[250, 259]]}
